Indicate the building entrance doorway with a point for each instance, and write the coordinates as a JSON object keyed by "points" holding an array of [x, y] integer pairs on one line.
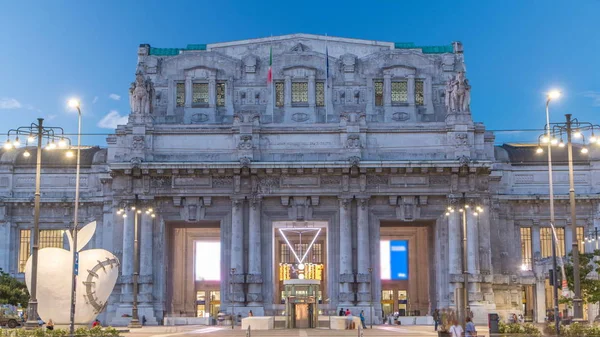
{"points": [[300, 303]]}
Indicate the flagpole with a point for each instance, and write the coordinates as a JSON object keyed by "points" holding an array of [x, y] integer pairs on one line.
{"points": [[326, 93]]}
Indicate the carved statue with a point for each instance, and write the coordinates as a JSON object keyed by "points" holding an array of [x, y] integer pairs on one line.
{"points": [[140, 94], [458, 94]]}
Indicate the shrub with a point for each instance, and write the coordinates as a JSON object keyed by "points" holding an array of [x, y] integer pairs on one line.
{"points": [[516, 328]]}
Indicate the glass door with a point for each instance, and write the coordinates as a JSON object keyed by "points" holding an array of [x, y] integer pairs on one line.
{"points": [[215, 303], [387, 302]]}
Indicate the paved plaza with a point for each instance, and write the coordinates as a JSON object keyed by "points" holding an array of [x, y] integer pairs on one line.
{"points": [[381, 330]]}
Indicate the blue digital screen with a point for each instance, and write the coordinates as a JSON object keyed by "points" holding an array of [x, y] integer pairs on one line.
{"points": [[394, 260]]}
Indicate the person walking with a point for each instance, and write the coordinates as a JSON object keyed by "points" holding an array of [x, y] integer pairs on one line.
{"points": [[50, 325], [362, 319], [456, 330], [436, 318], [470, 328]]}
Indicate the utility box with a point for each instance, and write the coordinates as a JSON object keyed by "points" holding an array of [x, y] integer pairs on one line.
{"points": [[493, 322]]}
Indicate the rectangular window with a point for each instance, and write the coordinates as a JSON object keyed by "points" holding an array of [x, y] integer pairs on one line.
{"points": [[220, 94], [526, 254], [320, 93], [580, 239], [400, 92], [286, 255], [24, 248], [378, 93], [299, 92], [180, 94], [387, 295], [279, 95], [546, 238], [419, 92], [199, 94], [51, 238]]}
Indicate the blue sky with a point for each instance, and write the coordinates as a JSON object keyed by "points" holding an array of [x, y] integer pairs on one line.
{"points": [[515, 50]]}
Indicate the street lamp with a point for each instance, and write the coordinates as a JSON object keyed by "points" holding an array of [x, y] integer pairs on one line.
{"points": [[33, 132], [570, 128], [233, 317], [73, 103], [371, 297]]}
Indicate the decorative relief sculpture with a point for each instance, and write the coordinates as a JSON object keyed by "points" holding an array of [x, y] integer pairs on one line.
{"points": [[458, 94], [354, 161], [245, 162], [400, 116], [245, 142], [140, 94], [199, 118], [98, 272], [300, 117], [348, 63], [353, 142], [138, 143]]}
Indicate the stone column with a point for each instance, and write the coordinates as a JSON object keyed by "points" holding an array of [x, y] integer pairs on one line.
{"points": [[454, 243], [287, 88], [535, 240], [540, 296], [345, 238], [363, 253], [387, 90], [146, 255], [237, 250], [312, 98], [254, 251], [472, 243], [212, 92], [188, 91], [411, 90], [127, 259], [568, 238]]}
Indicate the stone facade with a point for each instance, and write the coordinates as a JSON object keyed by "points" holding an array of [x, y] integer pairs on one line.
{"points": [[353, 133]]}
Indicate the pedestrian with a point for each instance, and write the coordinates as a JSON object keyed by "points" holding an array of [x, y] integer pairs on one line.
{"points": [[341, 313], [456, 330], [96, 323], [470, 330], [349, 319], [50, 325], [362, 319], [348, 312], [436, 318], [250, 314]]}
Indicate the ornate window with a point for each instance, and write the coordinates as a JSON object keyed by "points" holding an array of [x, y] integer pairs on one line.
{"points": [[581, 239], [320, 93], [526, 247], [378, 93], [546, 238], [279, 95], [220, 94], [419, 92], [52, 238], [300, 92], [400, 92], [199, 94], [24, 248], [180, 94], [286, 255]]}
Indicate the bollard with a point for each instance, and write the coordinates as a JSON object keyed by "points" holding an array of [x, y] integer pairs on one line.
{"points": [[248, 331]]}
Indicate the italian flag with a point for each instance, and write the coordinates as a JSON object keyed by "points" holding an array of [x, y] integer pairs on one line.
{"points": [[270, 73]]}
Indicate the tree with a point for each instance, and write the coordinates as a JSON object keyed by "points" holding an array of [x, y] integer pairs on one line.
{"points": [[589, 277], [12, 291]]}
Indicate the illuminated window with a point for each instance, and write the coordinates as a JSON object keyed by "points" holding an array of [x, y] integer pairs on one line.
{"points": [[279, 95], [24, 248], [200, 303], [378, 93], [51, 238], [419, 93], [180, 94], [314, 256], [208, 262], [580, 239], [399, 92], [199, 94], [387, 295], [526, 253], [286, 254], [546, 241], [299, 92], [220, 94], [320, 93]]}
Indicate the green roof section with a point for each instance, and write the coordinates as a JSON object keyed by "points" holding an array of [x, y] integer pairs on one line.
{"points": [[175, 51], [425, 49]]}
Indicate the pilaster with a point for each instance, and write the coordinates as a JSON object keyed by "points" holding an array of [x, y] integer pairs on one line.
{"points": [[254, 277], [363, 254], [346, 295]]}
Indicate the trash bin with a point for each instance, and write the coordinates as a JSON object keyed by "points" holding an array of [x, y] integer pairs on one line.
{"points": [[493, 321]]}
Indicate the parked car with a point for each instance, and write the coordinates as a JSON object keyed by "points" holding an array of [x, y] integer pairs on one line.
{"points": [[9, 319]]}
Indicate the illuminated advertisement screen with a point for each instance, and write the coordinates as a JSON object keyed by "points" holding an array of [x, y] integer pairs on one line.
{"points": [[394, 259], [208, 261]]}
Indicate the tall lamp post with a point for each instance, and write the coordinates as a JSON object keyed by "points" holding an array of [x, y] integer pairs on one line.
{"points": [[555, 131], [73, 103], [32, 132], [464, 207], [371, 297], [137, 214]]}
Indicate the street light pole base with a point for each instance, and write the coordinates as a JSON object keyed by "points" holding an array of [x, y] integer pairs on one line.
{"points": [[30, 325], [135, 323]]}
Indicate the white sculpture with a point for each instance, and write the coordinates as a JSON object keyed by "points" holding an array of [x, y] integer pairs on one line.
{"points": [[458, 94], [98, 272], [140, 93]]}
